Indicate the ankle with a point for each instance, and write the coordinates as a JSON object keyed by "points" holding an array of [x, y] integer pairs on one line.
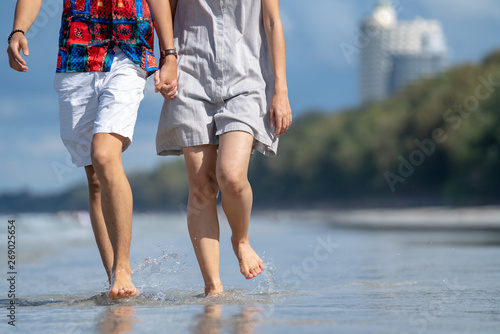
{"points": [[213, 288], [240, 241], [213, 285], [122, 269]]}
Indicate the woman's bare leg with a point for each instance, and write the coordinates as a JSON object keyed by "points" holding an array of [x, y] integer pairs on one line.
{"points": [[232, 169], [203, 223]]}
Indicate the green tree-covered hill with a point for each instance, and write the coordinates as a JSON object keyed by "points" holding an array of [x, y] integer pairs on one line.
{"points": [[437, 141]]}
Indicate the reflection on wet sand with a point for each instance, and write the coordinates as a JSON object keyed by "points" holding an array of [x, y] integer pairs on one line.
{"points": [[211, 320], [117, 320]]}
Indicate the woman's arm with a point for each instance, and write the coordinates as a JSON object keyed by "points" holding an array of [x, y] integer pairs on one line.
{"points": [[280, 111], [26, 13], [166, 77]]}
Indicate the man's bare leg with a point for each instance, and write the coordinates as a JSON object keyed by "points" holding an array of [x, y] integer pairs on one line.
{"points": [[203, 223], [98, 223], [116, 201], [232, 169]]}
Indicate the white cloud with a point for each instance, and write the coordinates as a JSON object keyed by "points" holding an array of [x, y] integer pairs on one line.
{"points": [[46, 145]]}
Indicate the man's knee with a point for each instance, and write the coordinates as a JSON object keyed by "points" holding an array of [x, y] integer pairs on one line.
{"points": [[93, 181], [106, 149], [102, 156]]}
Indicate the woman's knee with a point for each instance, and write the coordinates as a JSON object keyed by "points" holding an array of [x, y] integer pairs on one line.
{"points": [[231, 181], [203, 187]]}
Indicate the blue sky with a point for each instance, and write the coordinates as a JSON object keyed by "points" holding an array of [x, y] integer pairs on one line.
{"points": [[319, 77]]}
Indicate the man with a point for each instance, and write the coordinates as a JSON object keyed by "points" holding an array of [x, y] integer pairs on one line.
{"points": [[105, 55]]}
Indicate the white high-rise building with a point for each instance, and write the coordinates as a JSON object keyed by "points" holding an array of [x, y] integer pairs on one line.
{"points": [[396, 54]]}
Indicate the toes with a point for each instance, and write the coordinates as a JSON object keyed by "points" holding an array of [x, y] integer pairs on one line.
{"points": [[128, 292], [252, 272], [116, 293], [113, 293], [257, 270], [245, 273], [250, 264], [261, 265], [131, 292]]}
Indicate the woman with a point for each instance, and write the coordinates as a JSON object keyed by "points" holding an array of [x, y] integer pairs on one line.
{"points": [[232, 99]]}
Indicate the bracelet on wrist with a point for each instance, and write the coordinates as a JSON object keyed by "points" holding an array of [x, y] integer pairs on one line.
{"points": [[168, 52], [12, 34]]}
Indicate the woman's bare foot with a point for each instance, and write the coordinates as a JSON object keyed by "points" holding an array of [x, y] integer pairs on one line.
{"points": [[250, 263], [213, 289], [122, 286]]}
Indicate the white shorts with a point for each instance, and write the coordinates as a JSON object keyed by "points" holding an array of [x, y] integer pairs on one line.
{"points": [[99, 102]]}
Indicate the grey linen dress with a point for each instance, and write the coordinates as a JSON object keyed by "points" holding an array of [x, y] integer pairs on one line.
{"points": [[225, 77]]}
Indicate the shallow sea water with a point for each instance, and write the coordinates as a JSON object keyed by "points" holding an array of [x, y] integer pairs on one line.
{"points": [[319, 278]]}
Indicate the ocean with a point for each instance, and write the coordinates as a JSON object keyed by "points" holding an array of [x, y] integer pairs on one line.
{"points": [[372, 271]]}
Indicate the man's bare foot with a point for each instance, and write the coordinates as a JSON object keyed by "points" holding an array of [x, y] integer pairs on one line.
{"points": [[213, 289], [122, 286], [250, 263]]}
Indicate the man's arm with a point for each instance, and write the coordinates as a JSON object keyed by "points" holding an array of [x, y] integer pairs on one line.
{"points": [[280, 111], [166, 77], [26, 13], [173, 8]]}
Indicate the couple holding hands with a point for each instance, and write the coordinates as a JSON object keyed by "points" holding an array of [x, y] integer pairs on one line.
{"points": [[224, 83]]}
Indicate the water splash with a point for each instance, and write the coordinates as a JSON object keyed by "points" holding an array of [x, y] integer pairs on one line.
{"points": [[267, 285], [156, 275]]}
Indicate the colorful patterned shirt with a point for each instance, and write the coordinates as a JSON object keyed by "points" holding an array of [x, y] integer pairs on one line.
{"points": [[91, 29]]}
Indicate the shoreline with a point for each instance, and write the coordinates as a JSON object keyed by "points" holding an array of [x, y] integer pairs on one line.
{"points": [[423, 218]]}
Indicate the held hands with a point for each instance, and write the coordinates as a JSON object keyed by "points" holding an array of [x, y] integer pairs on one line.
{"points": [[17, 43], [166, 78], [280, 112]]}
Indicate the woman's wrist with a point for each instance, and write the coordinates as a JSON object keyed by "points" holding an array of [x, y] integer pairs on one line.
{"points": [[280, 90], [280, 86]]}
